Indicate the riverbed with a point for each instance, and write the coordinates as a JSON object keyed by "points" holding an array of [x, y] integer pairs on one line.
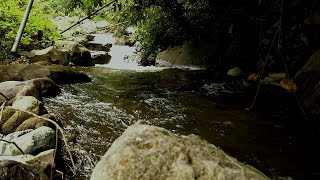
{"points": [[276, 141]]}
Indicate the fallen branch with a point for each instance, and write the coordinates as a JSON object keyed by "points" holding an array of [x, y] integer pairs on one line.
{"points": [[4, 96], [59, 128]]}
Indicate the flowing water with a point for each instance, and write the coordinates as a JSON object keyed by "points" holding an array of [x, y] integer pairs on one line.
{"points": [[122, 94]]}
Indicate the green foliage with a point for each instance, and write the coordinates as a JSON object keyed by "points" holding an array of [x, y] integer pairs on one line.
{"points": [[162, 23], [159, 23], [38, 33]]}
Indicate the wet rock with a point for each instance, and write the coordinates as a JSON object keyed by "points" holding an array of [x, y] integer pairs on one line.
{"points": [[100, 57], [79, 55], [35, 122], [44, 86], [149, 152], [14, 121], [33, 142], [234, 72], [12, 169], [93, 46], [28, 103], [66, 75], [90, 37]]}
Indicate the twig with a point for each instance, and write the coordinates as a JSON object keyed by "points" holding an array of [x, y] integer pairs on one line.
{"points": [[4, 96], [11, 142], [59, 128], [88, 16], [265, 64]]}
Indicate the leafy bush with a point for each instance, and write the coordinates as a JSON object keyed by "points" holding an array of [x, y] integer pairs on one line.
{"points": [[38, 33]]}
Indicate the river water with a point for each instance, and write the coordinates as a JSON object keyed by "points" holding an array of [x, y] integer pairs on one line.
{"points": [[121, 94]]}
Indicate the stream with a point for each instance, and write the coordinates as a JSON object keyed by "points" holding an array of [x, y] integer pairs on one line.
{"points": [[123, 93]]}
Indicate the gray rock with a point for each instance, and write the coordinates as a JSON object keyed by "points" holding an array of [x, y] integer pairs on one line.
{"points": [[46, 156], [234, 72], [79, 55], [50, 54], [188, 54], [100, 57], [28, 103], [149, 152], [93, 46], [34, 142]]}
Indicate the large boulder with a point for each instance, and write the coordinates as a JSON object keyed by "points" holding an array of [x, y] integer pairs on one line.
{"points": [[50, 54], [58, 73], [40, 87], [149, 152], [188, 55], [307, 79], [30, 142], [100, 57], [94, 46], [68, 52], [79, 55]]}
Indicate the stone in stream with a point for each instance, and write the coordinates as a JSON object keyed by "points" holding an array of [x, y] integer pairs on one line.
{"points": [[50, 54], [123, 41], [32, 142], [149, 152], [93, 46], [69, 51], [234, 72], [100, 57]]}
